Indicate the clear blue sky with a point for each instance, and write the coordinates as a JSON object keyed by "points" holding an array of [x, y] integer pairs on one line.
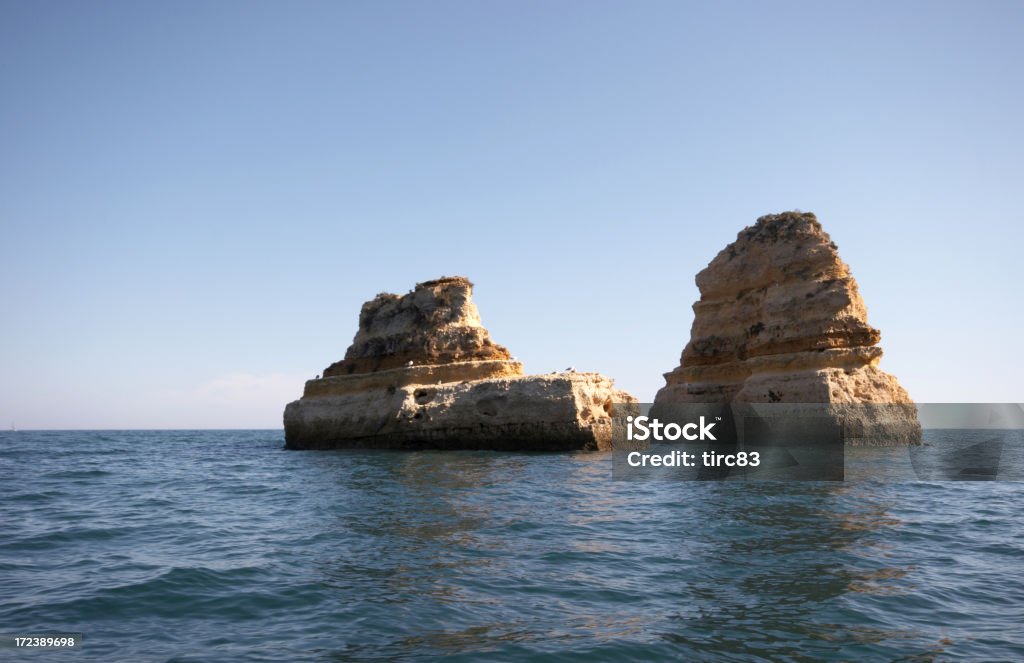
{"points": [[197, 197]]}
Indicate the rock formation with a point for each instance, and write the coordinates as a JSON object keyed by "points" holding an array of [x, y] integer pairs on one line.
{"points": [[780, 320], [422, 372]]}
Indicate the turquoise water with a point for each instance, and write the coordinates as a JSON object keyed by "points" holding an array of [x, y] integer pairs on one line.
{"points": [[221, 546]]}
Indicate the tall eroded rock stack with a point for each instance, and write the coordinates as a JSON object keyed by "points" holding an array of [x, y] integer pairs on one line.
{"points": [[423, 372], [780, 320]]}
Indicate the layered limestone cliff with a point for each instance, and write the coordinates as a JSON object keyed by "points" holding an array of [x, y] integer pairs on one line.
{"points": [[780, 320], [423, 372]]}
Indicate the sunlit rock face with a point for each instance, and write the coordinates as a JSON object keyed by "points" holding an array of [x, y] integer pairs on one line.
{"points": [[423, 372], [435, 324], [780, 320]]}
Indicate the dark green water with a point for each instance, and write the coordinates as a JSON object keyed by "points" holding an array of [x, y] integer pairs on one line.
{"points": [[221, 546]]}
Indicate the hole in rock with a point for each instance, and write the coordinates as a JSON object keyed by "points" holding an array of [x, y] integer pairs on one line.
{"points": [[489, 407]]}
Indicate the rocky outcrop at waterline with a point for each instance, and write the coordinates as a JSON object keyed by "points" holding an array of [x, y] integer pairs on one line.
{"points": [[780, 320], [423, 372]]}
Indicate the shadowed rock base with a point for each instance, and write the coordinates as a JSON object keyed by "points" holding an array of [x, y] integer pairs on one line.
{"points": [[520, 413]]}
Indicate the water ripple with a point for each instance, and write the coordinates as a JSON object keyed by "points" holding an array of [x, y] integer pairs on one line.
{"points": [[216, 545]]}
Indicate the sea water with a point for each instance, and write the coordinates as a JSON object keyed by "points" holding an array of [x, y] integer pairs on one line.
{"points": [[222, 546]]}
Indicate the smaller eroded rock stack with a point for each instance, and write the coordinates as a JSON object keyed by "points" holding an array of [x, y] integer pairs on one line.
{"points": [[423, 372], [780, 320]]}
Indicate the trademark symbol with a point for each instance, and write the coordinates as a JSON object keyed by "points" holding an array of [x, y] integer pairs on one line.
{"points": [[718, 418]]}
